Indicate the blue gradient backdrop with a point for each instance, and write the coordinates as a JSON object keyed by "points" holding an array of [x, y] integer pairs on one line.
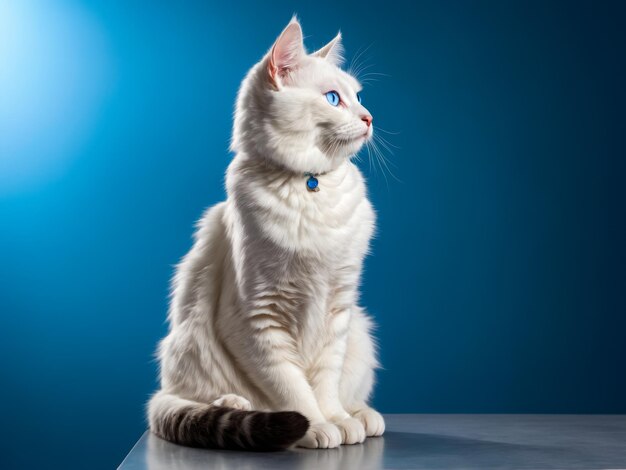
{"points": [[498, 274]]}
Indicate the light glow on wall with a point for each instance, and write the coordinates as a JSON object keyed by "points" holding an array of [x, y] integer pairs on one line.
{"points": [[54, 75]]}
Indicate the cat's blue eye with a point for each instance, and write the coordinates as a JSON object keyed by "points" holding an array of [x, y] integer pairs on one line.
{"points": [[333, 97], [358, 97]]}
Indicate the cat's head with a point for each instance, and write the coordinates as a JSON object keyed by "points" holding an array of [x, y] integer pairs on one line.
{"points": [[301, 110]]}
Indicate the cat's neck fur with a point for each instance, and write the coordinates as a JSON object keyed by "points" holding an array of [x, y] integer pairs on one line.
{"points": [[255, 161]]}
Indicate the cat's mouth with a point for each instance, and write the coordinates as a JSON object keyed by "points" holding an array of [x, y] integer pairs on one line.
{"points": [[365, 136], [338, 145], [349, 140]]}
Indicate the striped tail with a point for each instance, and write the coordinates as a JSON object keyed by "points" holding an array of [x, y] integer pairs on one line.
{"points": [[196, 424]]}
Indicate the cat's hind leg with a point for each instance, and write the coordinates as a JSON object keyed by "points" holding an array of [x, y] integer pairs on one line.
{"points": [[230, 400], [357, 379]]}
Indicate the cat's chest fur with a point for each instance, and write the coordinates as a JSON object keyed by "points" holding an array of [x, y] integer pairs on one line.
{"points": [[301, 247]]}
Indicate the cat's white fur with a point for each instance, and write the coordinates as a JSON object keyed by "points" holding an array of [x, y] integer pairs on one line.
{"points": [[264, 312]]}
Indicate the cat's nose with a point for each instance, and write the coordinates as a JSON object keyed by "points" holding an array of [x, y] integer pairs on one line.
{"points": [[367, 119]]}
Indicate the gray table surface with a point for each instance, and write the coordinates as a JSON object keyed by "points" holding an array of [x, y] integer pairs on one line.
{"points": [[427, 442]]}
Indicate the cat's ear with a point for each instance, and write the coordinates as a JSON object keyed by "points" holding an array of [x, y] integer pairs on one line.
{"points": [[286, 52], [332, 52]]}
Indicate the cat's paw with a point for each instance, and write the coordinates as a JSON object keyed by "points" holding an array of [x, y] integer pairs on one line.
{"points": [[230, 400], [352, 431], [372, 421], [321, 436]]}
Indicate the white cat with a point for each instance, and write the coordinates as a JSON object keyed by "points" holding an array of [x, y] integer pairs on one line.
{"points": [[264, 312]]}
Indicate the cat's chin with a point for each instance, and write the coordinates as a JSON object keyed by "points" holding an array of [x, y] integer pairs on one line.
{"points": [[357, 144]]}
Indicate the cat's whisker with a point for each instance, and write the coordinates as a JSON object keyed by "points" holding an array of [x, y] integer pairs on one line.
{"points": [[354, 62], [384, 161], [388, 145], [364, 68], [376, 73], [357, 71], [369, 156], [357, 157], [378, 128], [334, 146], [378, 160], [358, 52], [385, 146], [354, 59], [377, 166]]}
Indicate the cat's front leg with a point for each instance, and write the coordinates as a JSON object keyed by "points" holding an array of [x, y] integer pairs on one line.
{"points": [[372, 420], [265, 348], [325, 375]]}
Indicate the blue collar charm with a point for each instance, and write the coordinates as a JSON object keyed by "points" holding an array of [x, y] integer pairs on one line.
{"points": [[312, 184]]}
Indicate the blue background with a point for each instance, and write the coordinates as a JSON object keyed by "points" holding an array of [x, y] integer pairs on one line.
{"points": [[498, 274]]}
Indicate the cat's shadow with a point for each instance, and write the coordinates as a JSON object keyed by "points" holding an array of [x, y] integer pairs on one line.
{"points": [[395, 450]]}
